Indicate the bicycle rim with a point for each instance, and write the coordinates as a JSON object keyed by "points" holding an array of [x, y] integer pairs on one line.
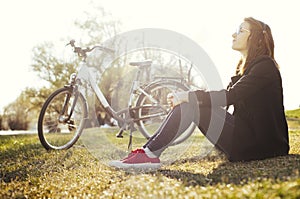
{"points": [[152, 115], [62, 119]]}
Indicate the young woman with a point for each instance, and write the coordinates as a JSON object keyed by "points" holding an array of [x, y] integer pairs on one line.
{"points": [[256, 130]]}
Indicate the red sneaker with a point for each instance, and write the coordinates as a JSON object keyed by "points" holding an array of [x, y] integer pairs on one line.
{"points": [[133, 153], [137, 159]]}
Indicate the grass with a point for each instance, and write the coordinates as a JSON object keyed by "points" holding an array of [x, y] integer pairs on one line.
{"points": [[293, 118], [293, 113], [29, 171]]}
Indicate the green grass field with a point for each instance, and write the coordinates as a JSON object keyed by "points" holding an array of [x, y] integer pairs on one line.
{"points": [[27, 170]]}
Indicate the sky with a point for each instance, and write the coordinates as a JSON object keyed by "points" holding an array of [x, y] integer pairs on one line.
{"points": [[210, 23]]}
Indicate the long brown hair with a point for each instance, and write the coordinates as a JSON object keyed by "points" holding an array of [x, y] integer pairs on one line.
{"points": [[260, 42]]}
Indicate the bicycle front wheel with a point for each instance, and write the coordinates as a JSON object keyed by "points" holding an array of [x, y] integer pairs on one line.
{"points": [[152, 108], [62, 119]]}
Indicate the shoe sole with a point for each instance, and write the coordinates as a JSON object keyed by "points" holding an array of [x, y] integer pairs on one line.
{"points": [[140, 166]]}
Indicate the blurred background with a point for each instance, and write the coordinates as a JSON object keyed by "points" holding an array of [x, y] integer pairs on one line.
{"points": [[35, 61]]}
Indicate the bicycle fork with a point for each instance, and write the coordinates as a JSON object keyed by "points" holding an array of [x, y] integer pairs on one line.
{"points": [[64, 115]]}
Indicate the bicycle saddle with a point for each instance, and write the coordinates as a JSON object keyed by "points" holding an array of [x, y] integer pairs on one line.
{"points": [[141, 63]]}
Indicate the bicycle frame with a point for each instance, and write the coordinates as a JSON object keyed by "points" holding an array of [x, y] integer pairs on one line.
{"points": [[84, 74]]}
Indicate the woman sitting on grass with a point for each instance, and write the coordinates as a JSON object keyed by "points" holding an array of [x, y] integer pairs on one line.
{"points": [[257, 129]]}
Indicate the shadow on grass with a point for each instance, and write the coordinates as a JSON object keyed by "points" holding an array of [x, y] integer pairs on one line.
{"points": [[25, 157], [279, 168], [20, 162]]}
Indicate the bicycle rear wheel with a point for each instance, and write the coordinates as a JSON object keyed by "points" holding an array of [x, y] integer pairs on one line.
{"points": [[62, 119], [151, 115]]}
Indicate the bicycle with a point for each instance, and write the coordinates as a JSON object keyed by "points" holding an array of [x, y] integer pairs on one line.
{"points": [[64, 114]]}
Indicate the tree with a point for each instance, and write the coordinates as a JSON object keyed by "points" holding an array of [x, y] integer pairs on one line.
{"points": [[17, 113], [96, 28], [49, 68], [53, 69], [1, 124]]}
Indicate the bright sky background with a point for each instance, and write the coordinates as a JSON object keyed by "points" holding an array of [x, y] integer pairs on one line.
{"points": [[210, 23]]}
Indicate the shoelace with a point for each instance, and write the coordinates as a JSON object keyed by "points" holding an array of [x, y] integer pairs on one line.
{"points": [[138, 151], [133, 153]]}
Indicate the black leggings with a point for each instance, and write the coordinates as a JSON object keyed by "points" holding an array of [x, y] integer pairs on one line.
{"points": [[216, 124]]}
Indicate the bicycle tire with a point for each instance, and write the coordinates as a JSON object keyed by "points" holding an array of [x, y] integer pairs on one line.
{"points": [[55, 134], [158, 90]]}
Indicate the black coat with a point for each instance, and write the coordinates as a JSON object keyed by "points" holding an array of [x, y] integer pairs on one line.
{"points": [[260, 127]]}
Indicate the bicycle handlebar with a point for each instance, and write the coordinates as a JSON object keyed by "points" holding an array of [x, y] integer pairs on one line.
{"points": [[82, 52]]}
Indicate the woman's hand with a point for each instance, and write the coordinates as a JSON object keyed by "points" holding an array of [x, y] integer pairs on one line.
{"points": [[174, 99]]}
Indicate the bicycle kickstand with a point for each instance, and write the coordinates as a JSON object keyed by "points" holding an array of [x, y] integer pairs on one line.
{"points": [[120, 133], [132, 129]]}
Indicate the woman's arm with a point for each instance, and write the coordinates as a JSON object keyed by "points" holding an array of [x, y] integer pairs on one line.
{"points": [[260, 74]]}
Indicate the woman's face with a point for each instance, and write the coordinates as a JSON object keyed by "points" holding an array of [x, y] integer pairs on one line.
{"points": [[240, 38]]}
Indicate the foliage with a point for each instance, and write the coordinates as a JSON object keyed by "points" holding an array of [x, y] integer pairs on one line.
{"points": [[29, 171], [17, 113], [96, 28], [2, 126], [54, 71]]}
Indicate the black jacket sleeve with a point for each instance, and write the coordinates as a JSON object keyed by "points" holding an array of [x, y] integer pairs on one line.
{"points": [[260, 73]]}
